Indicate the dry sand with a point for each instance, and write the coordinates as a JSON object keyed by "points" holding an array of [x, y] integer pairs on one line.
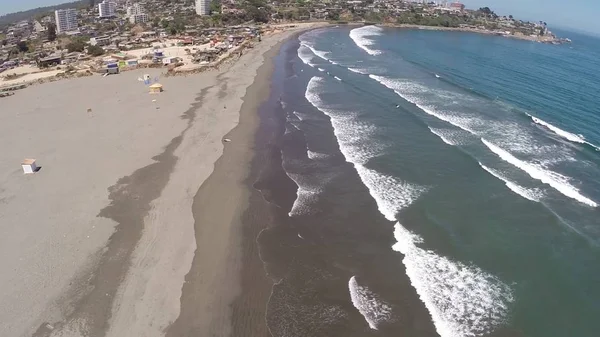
{"points": [[100, 240]]}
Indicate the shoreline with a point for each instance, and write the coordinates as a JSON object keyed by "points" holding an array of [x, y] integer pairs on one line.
{"points": [[234, 300]]}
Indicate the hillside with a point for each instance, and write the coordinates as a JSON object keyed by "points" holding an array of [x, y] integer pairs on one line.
{"points": [[11, 18]]}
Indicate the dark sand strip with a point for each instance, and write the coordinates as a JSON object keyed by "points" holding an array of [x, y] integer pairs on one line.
{"points": [[221, 214]]}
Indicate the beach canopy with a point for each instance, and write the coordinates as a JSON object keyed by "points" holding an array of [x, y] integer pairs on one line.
{"points": [[156, 88]]}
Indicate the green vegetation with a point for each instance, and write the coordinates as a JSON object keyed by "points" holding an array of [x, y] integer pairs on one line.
{"points": [[436, 21], [22, 47], [76, 46], [51, 32], [215, 6], [257, 11], [95, 50]]}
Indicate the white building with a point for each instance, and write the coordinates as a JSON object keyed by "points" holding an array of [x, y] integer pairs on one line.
{"points": [[66, 20], [107, 9], [100, 40], [139, 18], [137, 14], [203, 7], [38, 27], [134, 9]]}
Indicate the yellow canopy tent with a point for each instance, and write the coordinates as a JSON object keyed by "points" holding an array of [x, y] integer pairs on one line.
{"points": [[156, 88]]}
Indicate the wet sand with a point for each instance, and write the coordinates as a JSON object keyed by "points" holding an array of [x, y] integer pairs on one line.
{"points": [[101, 240]]}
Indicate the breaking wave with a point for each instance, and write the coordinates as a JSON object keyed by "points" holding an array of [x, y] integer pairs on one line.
{"points": [[463, 300], [562, 133], [306, 55], [319, 53], [374, 309], [449, 137], [360, 38], [555, 180], [529, 194]]}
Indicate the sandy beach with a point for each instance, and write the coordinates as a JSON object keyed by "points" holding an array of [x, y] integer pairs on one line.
{"points": [[124, 231]]}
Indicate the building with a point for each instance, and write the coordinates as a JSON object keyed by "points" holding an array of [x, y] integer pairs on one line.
{"points": [[66, 20], [107, 9], [100, 41], [139, 18], [137, 14], [38, 27], [457, 6], [203, 7], [134, 9]]}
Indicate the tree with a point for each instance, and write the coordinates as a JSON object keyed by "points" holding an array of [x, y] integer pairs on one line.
{"points": [[333, 16], [74, 46], [92, 3], [95, 50], [215, 6], [485, 10], [156, 22], [510, 17], [22, 46], [51, 32]]}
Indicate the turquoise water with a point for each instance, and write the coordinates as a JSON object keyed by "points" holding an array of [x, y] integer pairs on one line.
{"points": [[481, 152]]}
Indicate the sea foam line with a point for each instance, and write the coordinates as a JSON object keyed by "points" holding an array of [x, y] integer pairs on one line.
{"points": [[562, 133], [555, 180], [400, 88], [567, 135], [528, 194], [305, 55], [463, 300], [372, 307], [319, 53], [391, 194], [447, 136], [360, 38]]}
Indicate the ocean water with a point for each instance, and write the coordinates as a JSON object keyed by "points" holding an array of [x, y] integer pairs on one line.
{"points": [[448, 184]]}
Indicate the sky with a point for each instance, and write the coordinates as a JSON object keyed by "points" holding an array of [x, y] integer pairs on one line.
{"points": [[575, 14]]}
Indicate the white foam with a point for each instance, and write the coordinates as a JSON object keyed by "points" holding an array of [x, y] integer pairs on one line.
{"points": [[358, 71], [319, 53], [312, 155], [529, 194], [390, 193], [567, 135], [303, 203], [300, 116], [557, 181], [321, 69], [337, 78], [408, 91], [305, 55], [449, 137], [372, 307], [360, 38], [290, 127], [463, 300], [349, 130], [306, 196]]}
